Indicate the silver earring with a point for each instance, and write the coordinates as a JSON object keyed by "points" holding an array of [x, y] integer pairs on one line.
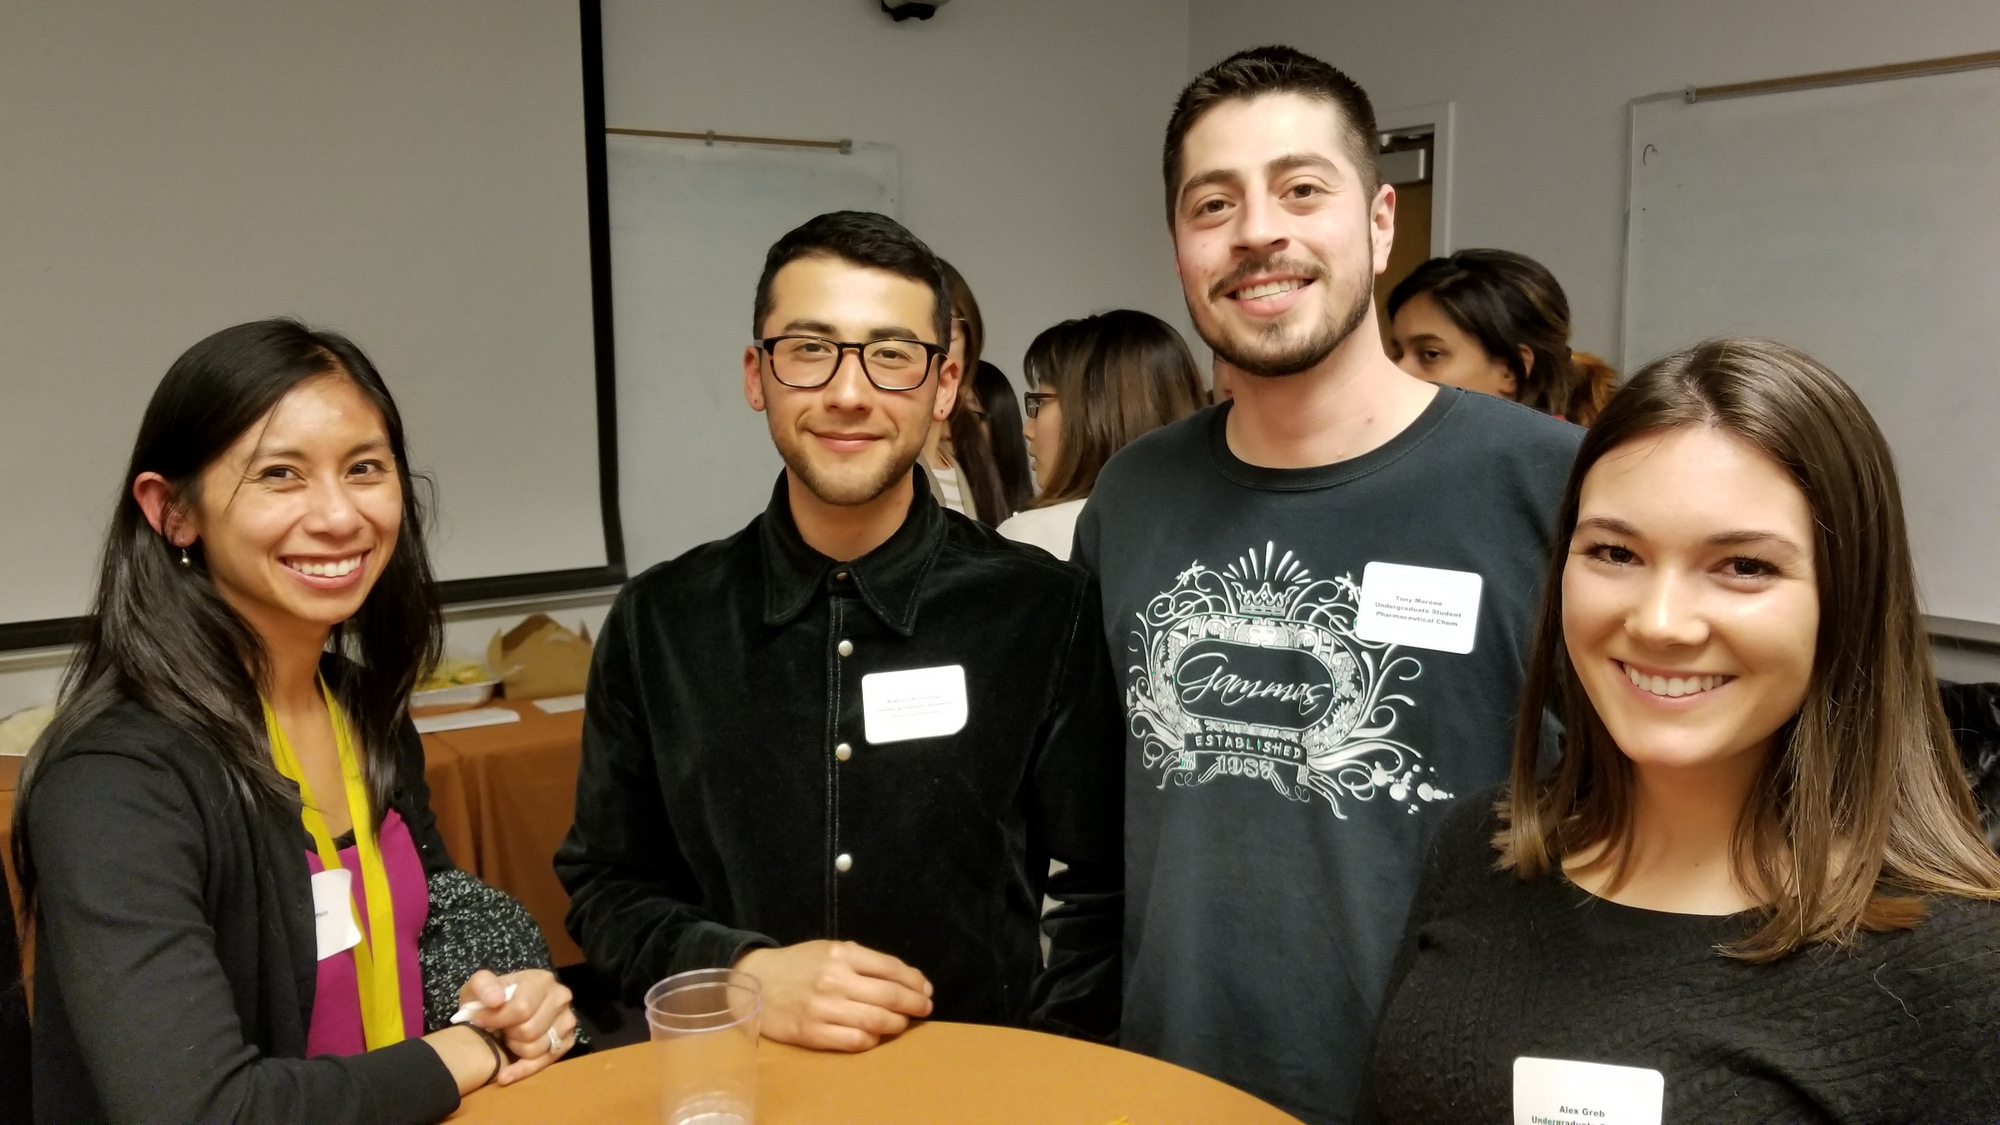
{"points": [[184, 558]]}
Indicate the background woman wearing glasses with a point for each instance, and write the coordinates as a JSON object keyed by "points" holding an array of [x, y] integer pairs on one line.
{"points": [[1098, 384]]}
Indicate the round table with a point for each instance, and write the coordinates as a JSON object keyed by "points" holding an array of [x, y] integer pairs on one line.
{"points": [[965, 1074]]}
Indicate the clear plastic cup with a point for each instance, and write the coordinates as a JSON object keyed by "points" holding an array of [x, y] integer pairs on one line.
{"points": [[704, 1032]]}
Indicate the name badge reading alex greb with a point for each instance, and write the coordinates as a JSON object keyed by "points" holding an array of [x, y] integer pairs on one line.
{"points": [[1562, 1092], [918, 703]]}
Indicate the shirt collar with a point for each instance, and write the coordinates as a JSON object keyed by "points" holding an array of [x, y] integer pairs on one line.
{"points": [[888, 578]]}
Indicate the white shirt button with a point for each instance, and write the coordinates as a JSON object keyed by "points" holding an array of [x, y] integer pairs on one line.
{"points": [[845, 648], [843, 751], [843, 862]]}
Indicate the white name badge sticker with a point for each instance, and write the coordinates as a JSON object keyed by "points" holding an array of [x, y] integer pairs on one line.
{"points": [[333, 912], [1419, 606], [919, 703], [1560, 1092]]}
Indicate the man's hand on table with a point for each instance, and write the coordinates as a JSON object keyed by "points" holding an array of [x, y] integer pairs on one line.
{"points": [[835, 995]]}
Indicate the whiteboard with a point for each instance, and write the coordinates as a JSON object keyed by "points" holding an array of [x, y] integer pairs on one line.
{"points": [[690, 224], [1860, 223]]}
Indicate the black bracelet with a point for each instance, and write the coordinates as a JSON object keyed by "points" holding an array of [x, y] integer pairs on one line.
{"points": [[499, 1052]]}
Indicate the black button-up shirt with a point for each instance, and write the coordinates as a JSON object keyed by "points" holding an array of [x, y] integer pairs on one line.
{"points": [[729, 796]]}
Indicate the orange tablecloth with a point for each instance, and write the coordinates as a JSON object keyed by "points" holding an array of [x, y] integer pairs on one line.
{"points": [[504, 797], [10, 768], [949, 1073]]}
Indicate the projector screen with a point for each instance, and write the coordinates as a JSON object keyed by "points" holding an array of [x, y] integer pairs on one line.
{"points": [[413, 175]]}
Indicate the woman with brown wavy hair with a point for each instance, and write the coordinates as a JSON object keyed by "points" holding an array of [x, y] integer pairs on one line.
{"points": [[1751, 885]]}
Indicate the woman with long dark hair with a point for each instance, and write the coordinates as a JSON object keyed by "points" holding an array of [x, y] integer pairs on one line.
{"points": [[959, 459], [224, 835], [1752, 885], [992, 402], [1496, 322], [1099, 382]]}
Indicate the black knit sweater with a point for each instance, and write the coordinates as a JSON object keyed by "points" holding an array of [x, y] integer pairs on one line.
{"points": [[1904, 1027]]}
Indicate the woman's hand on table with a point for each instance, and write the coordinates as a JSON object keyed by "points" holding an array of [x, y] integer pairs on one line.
{"points": [[540, 1005], [835, 995]]}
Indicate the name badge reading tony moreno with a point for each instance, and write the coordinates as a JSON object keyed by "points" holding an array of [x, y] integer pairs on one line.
{"points": [[1419, 606], [333, 912], [1561, 1092], [918, 703]]}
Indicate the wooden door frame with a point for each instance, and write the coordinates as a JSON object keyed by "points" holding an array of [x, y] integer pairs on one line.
{"points": [[1438, 116]]}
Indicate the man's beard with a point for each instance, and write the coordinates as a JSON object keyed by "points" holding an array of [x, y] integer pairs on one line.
{"points": [[850, 492], [1264, 353]]}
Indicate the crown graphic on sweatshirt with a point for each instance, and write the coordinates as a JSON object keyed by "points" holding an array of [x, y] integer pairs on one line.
{"points": [[1262, 585], [1264, 600]]}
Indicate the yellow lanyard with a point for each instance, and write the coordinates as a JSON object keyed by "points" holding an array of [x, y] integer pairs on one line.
{"points": [[375, 966]]}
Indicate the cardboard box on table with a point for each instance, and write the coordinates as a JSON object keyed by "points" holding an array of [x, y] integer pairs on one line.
{"points": [[539, 659]]}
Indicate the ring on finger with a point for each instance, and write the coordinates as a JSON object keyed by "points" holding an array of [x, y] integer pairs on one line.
{"points": [[555, 1042]]}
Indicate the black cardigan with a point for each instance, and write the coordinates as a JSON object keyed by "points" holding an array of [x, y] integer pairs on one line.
{"points": [[15, 1106], [174, 959]]}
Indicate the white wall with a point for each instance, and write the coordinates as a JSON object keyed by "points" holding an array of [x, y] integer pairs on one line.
{"points": [[1541, 88], [1029, 133], [1029, 129]]}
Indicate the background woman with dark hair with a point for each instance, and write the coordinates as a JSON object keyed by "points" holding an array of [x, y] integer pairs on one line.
{"points": [[992, 402], [957, 458], [1755, 868], [1497, 322], [1099, 383], [224, 834]]}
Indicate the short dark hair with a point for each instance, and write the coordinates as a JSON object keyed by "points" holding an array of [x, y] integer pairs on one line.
{"points": [[864, 238], [1274, 70]]}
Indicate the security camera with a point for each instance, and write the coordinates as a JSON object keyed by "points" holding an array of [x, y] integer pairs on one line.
{"points": [[900, 10]]}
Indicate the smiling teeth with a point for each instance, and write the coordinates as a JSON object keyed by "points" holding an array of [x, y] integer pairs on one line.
{"points": [[1268, 289], [1673, 687], [327, 570]]}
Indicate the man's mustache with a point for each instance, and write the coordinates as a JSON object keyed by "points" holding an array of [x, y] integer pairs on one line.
{"points": [[1254, 266]]}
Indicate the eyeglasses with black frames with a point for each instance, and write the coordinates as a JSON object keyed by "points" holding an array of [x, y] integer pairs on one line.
{"points": [[808, 362], [1034, 400]]}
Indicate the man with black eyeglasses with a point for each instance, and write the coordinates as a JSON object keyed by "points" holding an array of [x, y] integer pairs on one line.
{"points": [[839, 749]]}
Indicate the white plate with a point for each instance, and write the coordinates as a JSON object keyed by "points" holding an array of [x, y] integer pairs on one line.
{"points": [[463, 720]]}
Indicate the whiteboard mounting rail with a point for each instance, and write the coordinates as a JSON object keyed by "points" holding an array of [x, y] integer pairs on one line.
{"points": [[843, 145], [1841, 77]]}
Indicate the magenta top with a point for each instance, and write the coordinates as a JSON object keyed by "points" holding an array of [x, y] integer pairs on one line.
{"points": [[336, 1012]]}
